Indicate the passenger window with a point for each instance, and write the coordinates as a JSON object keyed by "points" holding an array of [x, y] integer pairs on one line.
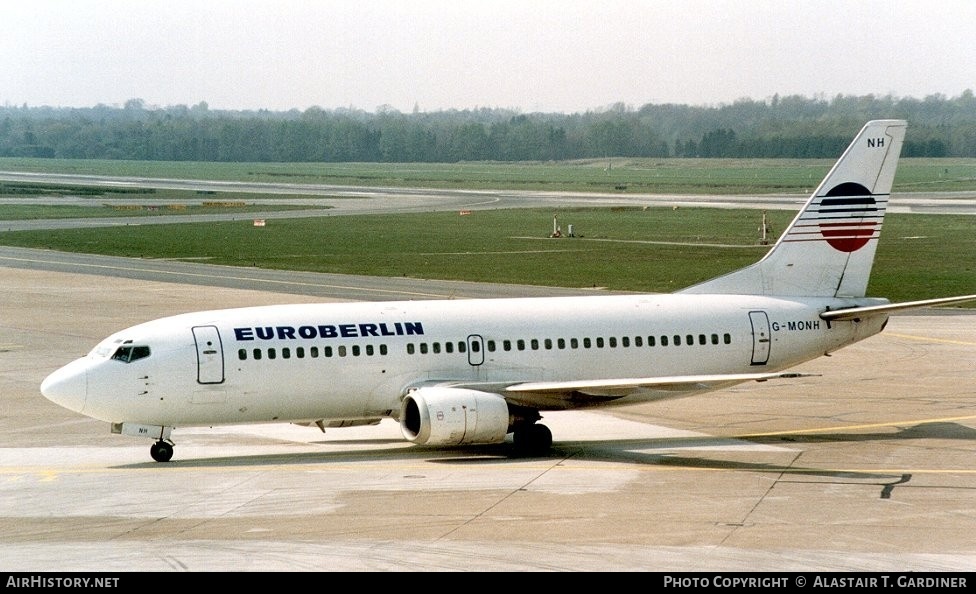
{"points": [[313, 352], [573, 343], [382, 349], [286, 353], [355, 350], [369, 350], [561, 343], [410, 348], [272, 353], [257, 354], [341, 350], [599, 342], [242, 354], [520, 344], [612, 341], [535, 344], [586, 343]]}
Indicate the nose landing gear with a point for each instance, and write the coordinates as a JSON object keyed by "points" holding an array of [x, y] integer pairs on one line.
{"points": [[161, 451]]}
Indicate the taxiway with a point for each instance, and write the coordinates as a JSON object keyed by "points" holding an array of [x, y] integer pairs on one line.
{"points": [[866, 467]]}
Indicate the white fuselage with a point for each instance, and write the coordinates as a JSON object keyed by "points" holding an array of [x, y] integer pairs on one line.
{"points": [[352, 361]]}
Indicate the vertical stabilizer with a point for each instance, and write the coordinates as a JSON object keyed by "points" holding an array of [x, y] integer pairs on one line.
{"points": [[828, 249]]}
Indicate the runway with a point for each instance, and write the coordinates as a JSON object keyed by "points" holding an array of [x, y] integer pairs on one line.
{"points": [[326, 200], [868, 466]]}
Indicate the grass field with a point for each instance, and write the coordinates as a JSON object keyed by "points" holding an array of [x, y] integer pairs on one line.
{"points": [[22, 212], [90, 201], [682, 176], [654, 249]]}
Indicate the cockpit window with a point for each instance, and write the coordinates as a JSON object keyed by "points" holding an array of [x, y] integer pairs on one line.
{"points": [[128, 354]]}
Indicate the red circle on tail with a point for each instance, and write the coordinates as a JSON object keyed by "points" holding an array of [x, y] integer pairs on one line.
{"points": [[848, 217]]}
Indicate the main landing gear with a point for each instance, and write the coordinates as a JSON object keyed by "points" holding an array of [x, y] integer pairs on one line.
{"points": [[532, 440], [529, 437], [161, 451]]}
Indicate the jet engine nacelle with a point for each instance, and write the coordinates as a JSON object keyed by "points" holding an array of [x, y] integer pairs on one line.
{"points": [[453, 416]]}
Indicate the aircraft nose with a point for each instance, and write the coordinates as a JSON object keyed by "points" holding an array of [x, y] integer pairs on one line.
{"points": [[67, 386]]}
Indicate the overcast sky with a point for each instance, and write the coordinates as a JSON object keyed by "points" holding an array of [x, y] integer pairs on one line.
{"points": [[531, 55]]}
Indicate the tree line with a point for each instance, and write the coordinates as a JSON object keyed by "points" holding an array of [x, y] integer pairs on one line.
{"points": [[779, 127]]}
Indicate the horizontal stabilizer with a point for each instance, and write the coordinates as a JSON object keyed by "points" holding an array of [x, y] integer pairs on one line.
{"points": [[873, 310]]}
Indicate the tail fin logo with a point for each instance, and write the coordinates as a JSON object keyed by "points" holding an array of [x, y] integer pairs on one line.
{"points": [[847, 218]]}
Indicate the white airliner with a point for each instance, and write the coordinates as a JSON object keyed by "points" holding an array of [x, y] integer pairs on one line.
{"points": [[473, 371]]}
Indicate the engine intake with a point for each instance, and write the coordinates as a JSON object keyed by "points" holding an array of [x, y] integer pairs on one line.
{"points": [[453, 416]]}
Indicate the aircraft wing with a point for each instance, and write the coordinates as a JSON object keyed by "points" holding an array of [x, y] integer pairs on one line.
{"points": [[870, 310], [561, 395]]}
